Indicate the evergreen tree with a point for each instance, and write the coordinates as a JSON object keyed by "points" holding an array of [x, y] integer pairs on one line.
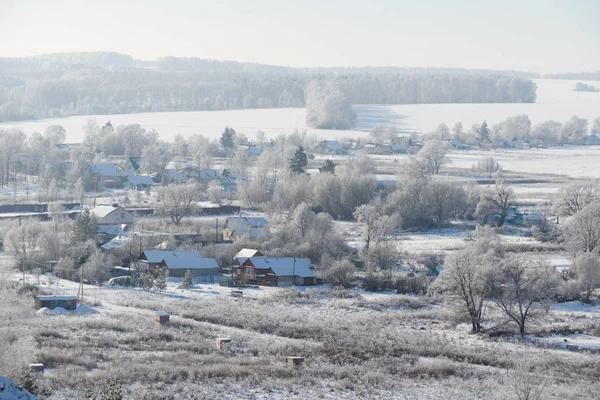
{"points": [[160, 283], [145, 282], [228, 138], [299, 161], [329, 166], [84, 227], [484, 132], [188, 280]]}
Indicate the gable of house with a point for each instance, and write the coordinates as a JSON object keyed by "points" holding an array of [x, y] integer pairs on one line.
{"points": [[111, 215]]}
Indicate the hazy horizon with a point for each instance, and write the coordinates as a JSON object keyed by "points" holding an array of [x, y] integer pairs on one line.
{"points": [[537, 36]]}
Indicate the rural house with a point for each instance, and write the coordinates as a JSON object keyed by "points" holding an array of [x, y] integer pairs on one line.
{"points": [[330, 147], [252, 227], [280, 272], [106, 174], [176, 263], [140, 182], [112, 219]]}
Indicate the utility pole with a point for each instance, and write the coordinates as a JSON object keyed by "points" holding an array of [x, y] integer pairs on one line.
{"points": [[294, 273]]}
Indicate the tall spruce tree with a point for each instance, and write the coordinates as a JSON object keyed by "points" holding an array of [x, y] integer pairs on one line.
{"points": [[84, 227], [484, 132], [299, 161], [228, 138], [160, 283]]}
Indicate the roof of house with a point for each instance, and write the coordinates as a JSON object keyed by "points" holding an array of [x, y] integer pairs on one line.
{"points": [[135, 162], [191, 263], [140, 180], [252, 225], [45, 298], [332, 145], [105, 169], [157, 256], [247, 253], [103, 210], [208, 174], [286, 266]]}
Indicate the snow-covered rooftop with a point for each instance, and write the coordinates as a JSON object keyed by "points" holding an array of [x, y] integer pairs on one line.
{"points": [[286, 266]]}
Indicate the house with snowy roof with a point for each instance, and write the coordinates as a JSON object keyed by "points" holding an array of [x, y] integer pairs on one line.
{"points": [[176, 263], [252, 227], [331, 147], [140, 182], [112, 219], [280, 272]]}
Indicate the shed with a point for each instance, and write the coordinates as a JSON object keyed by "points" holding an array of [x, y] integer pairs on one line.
{"points": [[52, 302], [161, 318]]}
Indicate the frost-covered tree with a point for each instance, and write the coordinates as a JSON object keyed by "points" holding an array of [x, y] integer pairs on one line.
{"points": [[434, 155], [160, 282], [582, 232], [327, 106], [328, 167], [375, 225], [466, 280], [340, 273], [488, 166], [587, 270], [188, 280], [574, 130], [178, 201], [484, 132], [498, 199], [596, 127], [519, 285], [574, 197]]}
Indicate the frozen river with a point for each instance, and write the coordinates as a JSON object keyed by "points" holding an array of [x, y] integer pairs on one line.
{"points": [[556, 100]]}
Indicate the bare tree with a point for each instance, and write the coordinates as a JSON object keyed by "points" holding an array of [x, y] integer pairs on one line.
{"points": [[499, 199], [340, 273], [575, 197], [587, 268], [522, 284], [375, 224], [433, 154], [23, 243], [178, 201], [488, 166], [465, 282]]}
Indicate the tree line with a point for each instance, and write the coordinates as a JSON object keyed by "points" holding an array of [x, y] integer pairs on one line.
{"points": [[109, 83]]}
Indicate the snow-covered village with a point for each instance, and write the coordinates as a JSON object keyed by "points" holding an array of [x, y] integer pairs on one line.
{"points": [[275, 227]]}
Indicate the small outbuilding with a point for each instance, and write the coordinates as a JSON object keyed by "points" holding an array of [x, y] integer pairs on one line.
{"points": [[161, 318], [52, 302]]}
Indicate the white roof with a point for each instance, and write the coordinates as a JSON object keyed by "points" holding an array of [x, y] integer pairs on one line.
{"points": [[253, 225], [105, 169], [103, 210], [157, 256], [285, 266], [246, 253], [141, 180], [191, 263], [57, 298]]}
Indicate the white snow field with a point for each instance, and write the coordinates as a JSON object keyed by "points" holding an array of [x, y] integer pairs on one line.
{"points": [[556, 100]]}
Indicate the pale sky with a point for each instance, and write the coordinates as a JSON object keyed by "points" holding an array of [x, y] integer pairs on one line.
{"points": [[530, 35]]}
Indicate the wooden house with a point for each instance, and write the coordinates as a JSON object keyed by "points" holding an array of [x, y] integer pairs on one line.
{"points": [[52, 302], [176, 263], [281, 272]]}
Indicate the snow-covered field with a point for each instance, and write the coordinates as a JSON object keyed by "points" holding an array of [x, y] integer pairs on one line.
{"points": [[556, 101]]}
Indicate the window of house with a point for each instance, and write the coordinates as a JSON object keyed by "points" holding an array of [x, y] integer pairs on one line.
{"points": [[249, 271], [122, 215]]}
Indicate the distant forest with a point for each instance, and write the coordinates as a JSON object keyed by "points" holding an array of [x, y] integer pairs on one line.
{"points": [[65, 84], [584, 76]]}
